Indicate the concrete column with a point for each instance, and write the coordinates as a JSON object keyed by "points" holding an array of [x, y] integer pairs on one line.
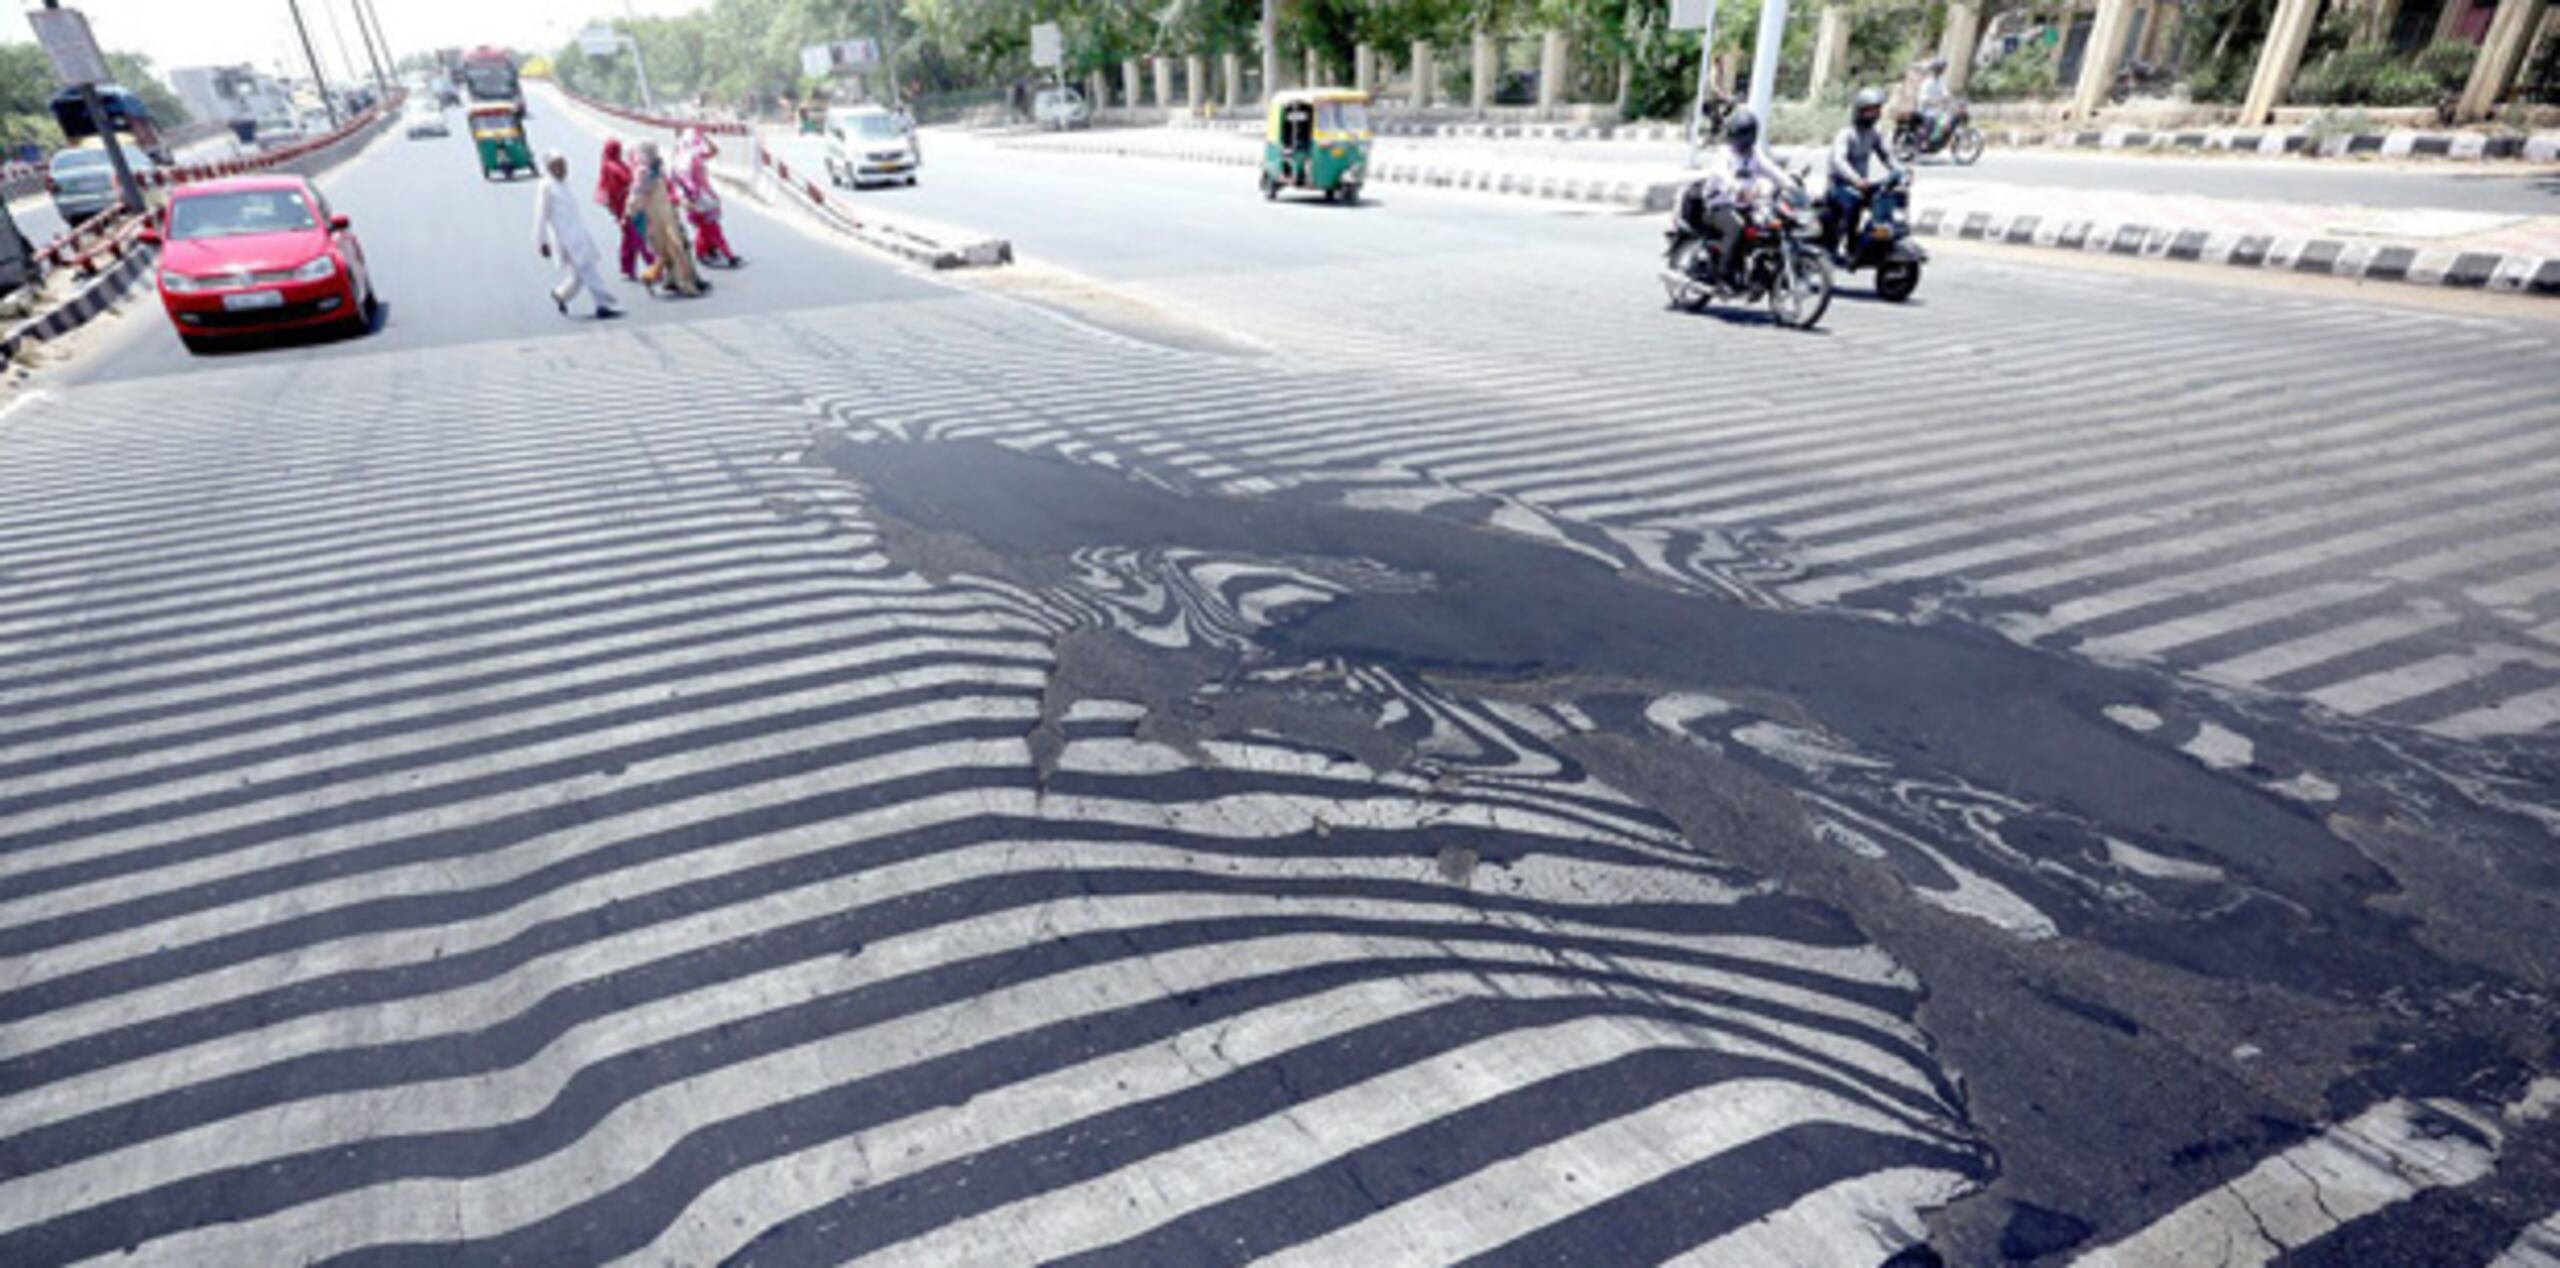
{"points": [[1097, 91], [2278, 59], [1480, 91], [1164, 83], [2378, 17], [2502, 55], [1426, 76], [2451, 16], [1231, 78], [1959, 41], [1551, 70], [1270, 53], [2156, 18], [1830, 48], [1314, 69], [1364, 68], [1129, 82], [2104, 53], [1195, 70]]}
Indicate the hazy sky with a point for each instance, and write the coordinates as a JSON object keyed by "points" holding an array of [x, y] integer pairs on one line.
{"points": [[202, 32]]}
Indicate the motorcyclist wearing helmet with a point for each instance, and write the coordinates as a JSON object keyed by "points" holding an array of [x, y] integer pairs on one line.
{"points": [[1855, 152], [1749, 174], [1933, 100]]}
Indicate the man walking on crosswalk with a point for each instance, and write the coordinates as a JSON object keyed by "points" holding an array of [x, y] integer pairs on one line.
{"points": [[556, 227]]}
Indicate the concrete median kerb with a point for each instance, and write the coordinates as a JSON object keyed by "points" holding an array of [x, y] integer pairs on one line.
{"points": [[2415, 262], [2398, 143]]}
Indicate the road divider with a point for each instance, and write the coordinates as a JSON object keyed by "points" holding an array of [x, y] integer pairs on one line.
{"points": [[2531, 147], [2515, 254], [755, 168]]}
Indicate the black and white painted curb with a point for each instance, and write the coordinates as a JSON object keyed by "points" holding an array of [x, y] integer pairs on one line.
{"points": [[94, 297], [2364, 261], [2333, 257], [2537, 147]]}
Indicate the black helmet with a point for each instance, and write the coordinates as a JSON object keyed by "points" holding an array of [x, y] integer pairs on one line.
{"points": [[1867, 108], [1742, 129]]}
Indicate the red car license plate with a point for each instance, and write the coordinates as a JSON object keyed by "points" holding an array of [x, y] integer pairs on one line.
{"points": [[246, 300]]}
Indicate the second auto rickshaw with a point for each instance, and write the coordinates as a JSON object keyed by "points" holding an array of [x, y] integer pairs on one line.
{"points": [[1316, 139], [498, 132]]}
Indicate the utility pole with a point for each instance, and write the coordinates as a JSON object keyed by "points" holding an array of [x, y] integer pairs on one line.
{"points": [[380, 84], [125, 184], [319, 83], [1764, 58]]}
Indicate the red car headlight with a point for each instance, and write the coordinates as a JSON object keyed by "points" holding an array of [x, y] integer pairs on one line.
{"points": [[181, 284], [317, 268]]}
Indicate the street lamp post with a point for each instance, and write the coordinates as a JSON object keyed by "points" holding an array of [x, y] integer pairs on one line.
{"points": [[1764, 58], [639, 69], [375, 15], [319, 83], [380, 84]]}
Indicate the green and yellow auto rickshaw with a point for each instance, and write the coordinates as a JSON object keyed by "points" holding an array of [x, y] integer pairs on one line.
{"points": [[1316, 139], [498, 132]]}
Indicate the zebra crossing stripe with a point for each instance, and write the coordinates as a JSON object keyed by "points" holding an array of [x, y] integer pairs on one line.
{"points": [[2386, 1155], [2537, 1247]]}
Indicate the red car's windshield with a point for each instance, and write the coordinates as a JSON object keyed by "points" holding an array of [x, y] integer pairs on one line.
{"points": [[234, 214]]}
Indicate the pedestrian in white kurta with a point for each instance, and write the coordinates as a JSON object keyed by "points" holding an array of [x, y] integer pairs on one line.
{"points": [[556, 227]]}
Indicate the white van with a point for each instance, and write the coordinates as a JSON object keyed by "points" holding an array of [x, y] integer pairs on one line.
{"points": [[867, 145]]}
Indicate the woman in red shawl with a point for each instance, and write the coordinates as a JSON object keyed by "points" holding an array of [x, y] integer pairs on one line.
{"points": [[613, 193]]}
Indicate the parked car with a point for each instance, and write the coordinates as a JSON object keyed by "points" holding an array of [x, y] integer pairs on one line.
{"points": [[1061, 107], [249, 255], [867, 145], [82, 179], [277, 131], [423, 117]]}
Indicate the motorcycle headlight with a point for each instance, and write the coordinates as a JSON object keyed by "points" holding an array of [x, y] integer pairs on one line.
{"points": [[180, 283], [320, 266]]}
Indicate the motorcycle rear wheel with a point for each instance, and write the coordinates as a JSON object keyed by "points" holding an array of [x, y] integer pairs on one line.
{"points": [[1800, 293], [1895, 280], [1678, 276], [1966, 146]]}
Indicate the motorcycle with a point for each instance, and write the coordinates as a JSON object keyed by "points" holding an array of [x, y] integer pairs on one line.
{"points": [[1955, 136], [1780, 263], [1879, 239]]}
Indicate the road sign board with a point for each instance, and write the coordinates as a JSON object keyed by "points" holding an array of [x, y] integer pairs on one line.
{"points": [[1690, 15], [1048, 46], [599, 41], [66, 39], [839, 57]]}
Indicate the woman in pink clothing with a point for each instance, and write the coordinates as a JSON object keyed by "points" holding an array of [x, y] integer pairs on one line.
{"points": [[691, 176]]}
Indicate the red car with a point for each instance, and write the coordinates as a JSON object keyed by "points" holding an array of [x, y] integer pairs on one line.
{"points": [[256, 254]]}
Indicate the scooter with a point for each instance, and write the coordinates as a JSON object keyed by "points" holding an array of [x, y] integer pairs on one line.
{"points": [[1878, 239]]}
